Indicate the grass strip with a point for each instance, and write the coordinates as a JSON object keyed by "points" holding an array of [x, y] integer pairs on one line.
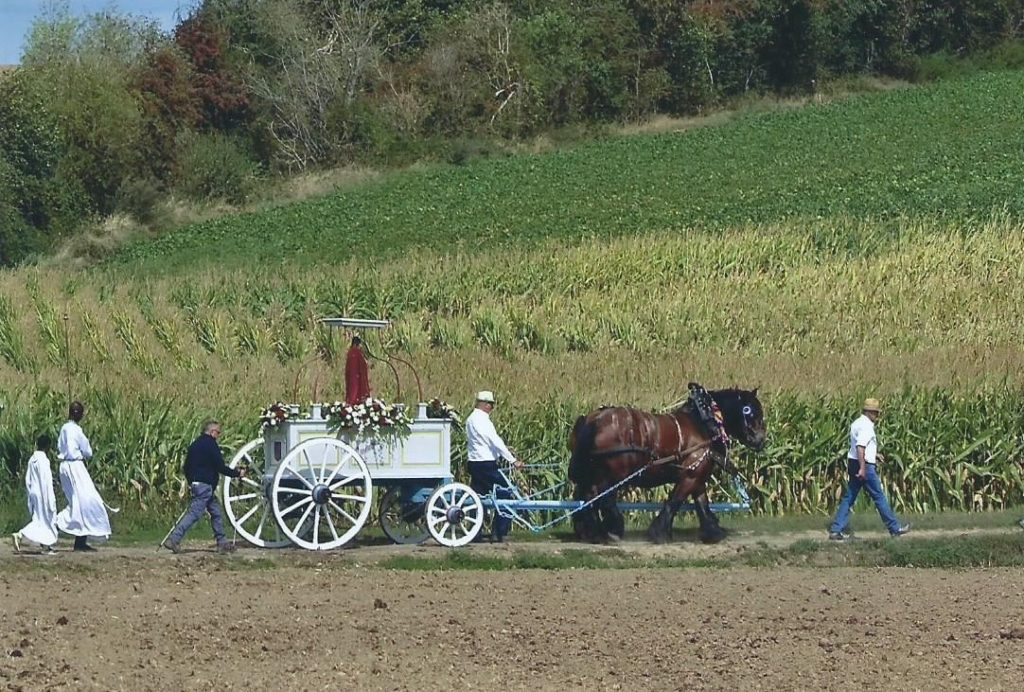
{"points": [[953, 552]]}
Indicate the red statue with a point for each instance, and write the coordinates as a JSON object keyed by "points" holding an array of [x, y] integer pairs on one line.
{"points": [[357, 373]]}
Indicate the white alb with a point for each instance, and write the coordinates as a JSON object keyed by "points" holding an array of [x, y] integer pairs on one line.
{"points": [[42, 504], [86, 513]]}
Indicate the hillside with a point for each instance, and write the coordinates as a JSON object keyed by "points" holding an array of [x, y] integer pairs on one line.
{"points": [[870, 246], [951, 150]]}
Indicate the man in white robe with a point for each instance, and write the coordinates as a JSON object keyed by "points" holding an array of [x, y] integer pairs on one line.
{"points": [[86, 513], [42, 504]]}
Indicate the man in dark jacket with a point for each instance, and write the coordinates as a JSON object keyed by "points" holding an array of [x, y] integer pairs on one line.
{"points": [[203, 468]]}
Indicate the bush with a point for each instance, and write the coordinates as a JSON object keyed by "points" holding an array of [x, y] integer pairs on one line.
{"points": [[139, 197], [466, 149], [38, 200], [214, 167], [18, 240]]}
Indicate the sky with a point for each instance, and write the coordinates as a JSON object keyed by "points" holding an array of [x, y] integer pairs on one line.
{"points": [[16, 17]]}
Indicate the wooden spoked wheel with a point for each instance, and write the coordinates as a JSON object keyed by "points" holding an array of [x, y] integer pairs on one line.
{"points": [[402, 520], [455, 515], [321, 494], [246, 500]]}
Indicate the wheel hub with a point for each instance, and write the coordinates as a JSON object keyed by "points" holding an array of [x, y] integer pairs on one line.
{"points": [[455, 515], [321, 494]]}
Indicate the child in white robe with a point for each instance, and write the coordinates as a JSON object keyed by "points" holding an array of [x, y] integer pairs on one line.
{"points": [[42, 504]]}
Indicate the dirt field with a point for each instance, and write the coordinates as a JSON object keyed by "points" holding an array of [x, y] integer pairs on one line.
{"points": [[132, 619]]}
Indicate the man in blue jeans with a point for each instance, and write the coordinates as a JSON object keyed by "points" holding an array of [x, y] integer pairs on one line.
{"points": [[203, 468], [861, 465]]}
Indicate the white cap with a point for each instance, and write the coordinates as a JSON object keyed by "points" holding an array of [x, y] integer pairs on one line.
{"points": [[485, 396]]}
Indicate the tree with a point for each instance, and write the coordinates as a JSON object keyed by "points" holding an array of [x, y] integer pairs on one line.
{"points": [[37, 203], [222, 99], [170, 106], [311, 64], [80, 70]]}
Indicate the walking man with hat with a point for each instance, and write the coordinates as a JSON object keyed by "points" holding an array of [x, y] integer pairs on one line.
{"points": [[861, 464], [485, 448]]}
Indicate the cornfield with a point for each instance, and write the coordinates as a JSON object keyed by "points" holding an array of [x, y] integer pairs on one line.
{"points": [[943, 450], [918, 311]]}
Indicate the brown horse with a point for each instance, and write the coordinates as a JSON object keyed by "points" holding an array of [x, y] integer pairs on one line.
{"points": [[609, 444]]}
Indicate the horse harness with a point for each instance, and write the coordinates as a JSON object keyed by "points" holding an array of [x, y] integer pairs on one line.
{"points": [[676, 458], [708, 413]]}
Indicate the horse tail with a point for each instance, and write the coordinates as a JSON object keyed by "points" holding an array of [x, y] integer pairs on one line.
{"points": [[581, 444]]}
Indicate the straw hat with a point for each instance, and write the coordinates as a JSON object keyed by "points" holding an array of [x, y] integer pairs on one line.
{"points": [[485, 396], [872, 405]]}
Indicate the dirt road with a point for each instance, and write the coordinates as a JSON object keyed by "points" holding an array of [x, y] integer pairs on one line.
{"points": [[131, 619]]}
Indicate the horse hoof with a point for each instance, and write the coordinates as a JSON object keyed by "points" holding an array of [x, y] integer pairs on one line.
{"points": [[658, 538], [612, 538]]}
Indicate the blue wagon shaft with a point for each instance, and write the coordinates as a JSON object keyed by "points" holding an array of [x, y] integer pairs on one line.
{"points": [[455, 511], [516, 506]]}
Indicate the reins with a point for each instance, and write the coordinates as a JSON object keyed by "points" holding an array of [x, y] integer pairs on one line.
{"points": [[657, 461]]}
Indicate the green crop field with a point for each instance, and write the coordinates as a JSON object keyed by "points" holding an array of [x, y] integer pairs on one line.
{"points": [[952, 151], [874, 245]]}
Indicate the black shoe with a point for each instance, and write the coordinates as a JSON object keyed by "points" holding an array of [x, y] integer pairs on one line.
{"points": [[837, 536], [226, 548], [84, 548], [173, 547], [900, 531]]}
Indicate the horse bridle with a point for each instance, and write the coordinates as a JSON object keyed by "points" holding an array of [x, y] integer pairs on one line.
{"points": [[747, 413]]}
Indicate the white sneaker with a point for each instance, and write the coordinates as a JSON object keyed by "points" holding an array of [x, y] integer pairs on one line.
{"points": [[16, 540], [48, 550]]}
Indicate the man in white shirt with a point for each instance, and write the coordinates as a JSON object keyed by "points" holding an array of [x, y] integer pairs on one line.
{"points": [[86, 513], [861, 461], [485, 449]]}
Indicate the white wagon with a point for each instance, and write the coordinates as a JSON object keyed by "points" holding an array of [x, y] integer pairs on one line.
{"points": [[313, 488]]}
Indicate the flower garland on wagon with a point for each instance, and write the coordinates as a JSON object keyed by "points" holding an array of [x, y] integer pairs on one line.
{"points": [[373, 419], [436, 408], [274, 415]]}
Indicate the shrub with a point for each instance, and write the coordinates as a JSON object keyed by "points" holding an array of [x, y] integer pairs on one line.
{"points": [[466, 149], [139, 197], [214, 167]]}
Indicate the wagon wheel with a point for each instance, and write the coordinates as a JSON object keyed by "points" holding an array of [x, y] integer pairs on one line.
{"points": [[321, 494], [403, 522], [455, 515], [246, 502]]}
